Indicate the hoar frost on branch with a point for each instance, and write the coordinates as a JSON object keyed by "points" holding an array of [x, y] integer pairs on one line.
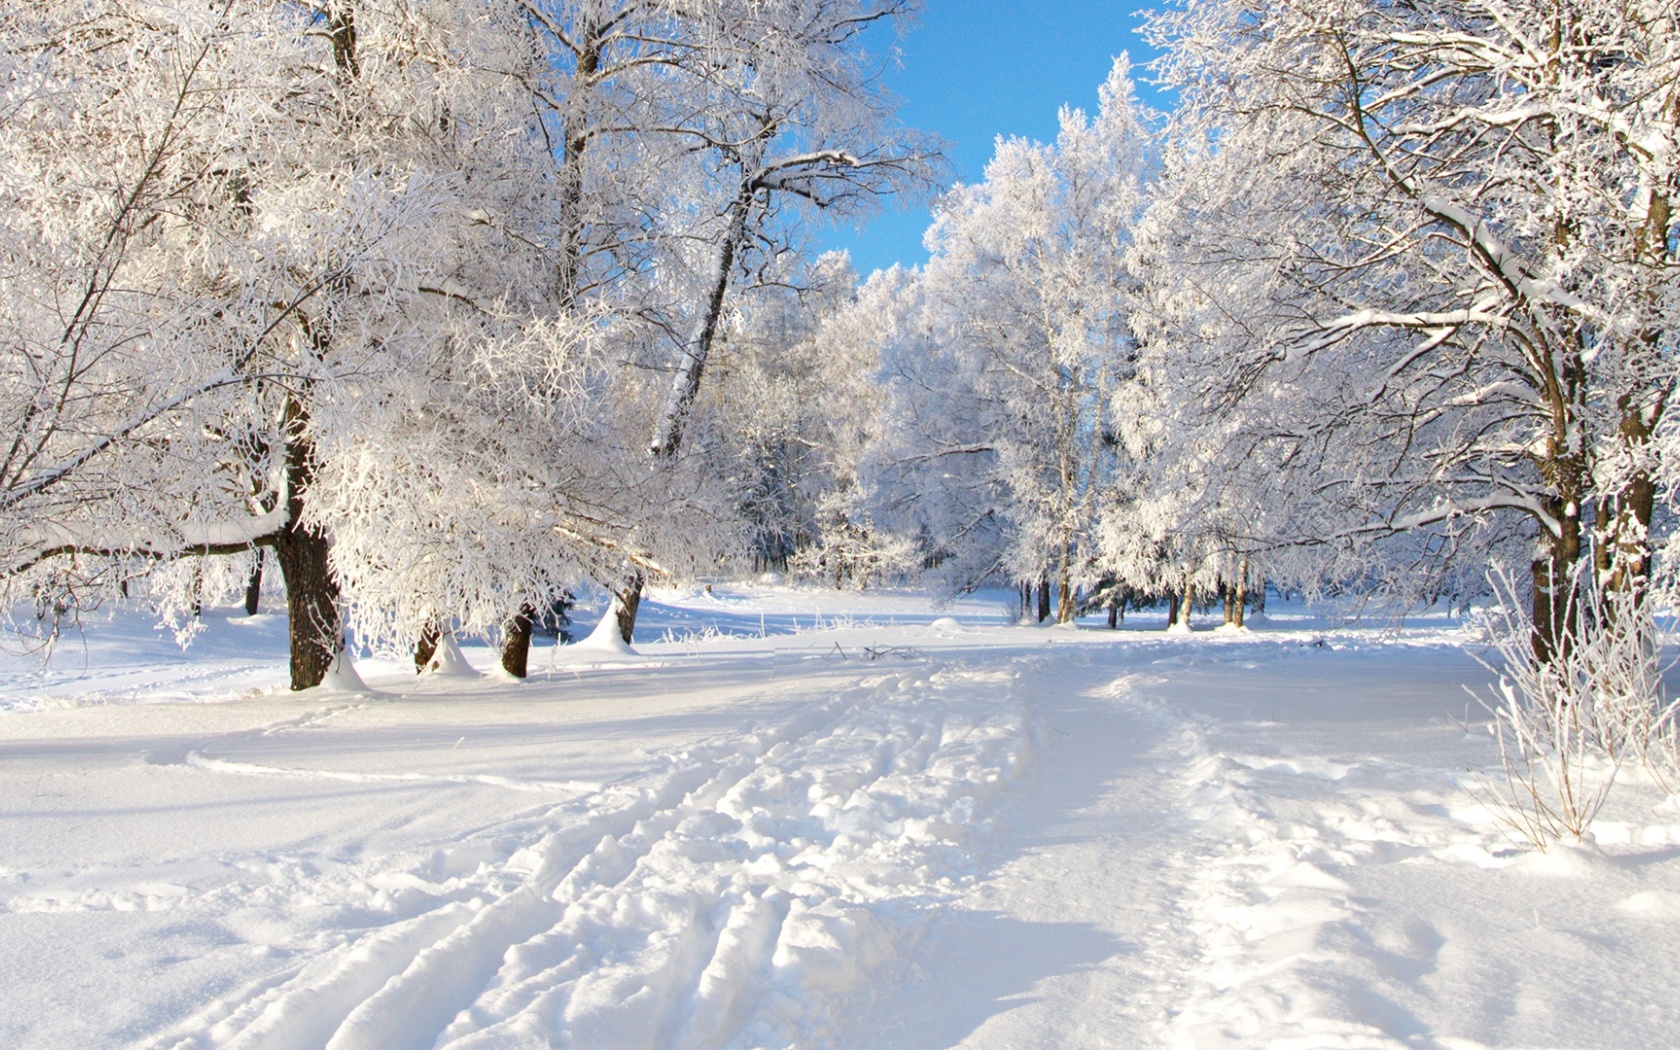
{"points": [[1004, 374], [379, 285], [1427, 250], [218, 223]]}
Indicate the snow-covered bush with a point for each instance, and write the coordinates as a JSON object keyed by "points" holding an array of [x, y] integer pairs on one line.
{"points": [[1569, 718]]}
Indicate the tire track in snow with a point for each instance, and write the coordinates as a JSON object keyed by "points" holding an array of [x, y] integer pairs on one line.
{"points": [[310, 1009], [735, 918], [182, 754], [220, 765], [742, 892]]}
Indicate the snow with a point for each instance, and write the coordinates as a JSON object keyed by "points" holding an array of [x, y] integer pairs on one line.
{"points": [[806, 818], [448, 660]]}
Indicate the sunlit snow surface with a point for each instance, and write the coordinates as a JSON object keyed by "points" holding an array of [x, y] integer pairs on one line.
{"points": [[805, 818]]}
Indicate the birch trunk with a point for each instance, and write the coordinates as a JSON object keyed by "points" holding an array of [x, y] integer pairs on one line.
{"points": [[1066, 606], [685, 387], [1242, 590]]}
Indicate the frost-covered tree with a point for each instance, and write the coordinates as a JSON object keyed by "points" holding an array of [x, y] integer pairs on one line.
{"points": [[378, 284], [1455, 254], [222, 224], [789, 117], [584, 207], [1025, 295]]}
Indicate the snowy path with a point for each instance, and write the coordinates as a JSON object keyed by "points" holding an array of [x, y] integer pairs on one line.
{"points": [[1201, 859], [989, 837], [1068, 940]]}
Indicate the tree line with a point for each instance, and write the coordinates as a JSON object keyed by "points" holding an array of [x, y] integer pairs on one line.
{"points": [[417, 296], [452, 305]]}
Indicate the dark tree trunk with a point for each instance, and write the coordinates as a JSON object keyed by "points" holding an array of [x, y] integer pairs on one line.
{"points": [[516, 646], [253, 586], [1172, 610], [311, 603], [1563, 469], [1230, 597], [426, 648], [1603, 522], [626, 601], [317, 636], [1043, 598], [1067, 604], [1114, 614]]}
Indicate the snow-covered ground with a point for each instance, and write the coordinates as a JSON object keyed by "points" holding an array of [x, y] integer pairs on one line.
{"points": [[807, 819]]}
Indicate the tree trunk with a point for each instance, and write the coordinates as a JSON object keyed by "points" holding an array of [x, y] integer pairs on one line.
{"points": [[575, 132], [626, 600], [1241, 589], [311, 604], [1114, 614], [253, 586], [1554, 604], [1067, 606], [1624, 545], [1230, 597], [317, 635], [1172, 610], [425, 648], [1065, 600], [1603, 519], [516, 645], [667, 439], [1043, 598]]}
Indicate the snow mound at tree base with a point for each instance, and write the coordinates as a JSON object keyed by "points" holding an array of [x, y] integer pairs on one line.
{"points": [[449, 661], [604, 639]]}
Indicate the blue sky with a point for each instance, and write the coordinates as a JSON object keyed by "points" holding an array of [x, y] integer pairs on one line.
{"points": [[976, 69]]}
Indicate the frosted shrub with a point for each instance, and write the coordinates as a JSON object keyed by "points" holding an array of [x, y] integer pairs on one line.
{"points": [[1567, 725]]}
